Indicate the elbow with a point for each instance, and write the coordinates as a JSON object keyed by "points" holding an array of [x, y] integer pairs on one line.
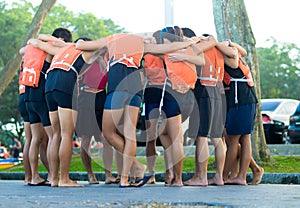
{"points": [[79, 45]]}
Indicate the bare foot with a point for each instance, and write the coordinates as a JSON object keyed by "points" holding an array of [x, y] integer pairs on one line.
{"points": [[124, 181], [93, 179], [69, 183], [111, 179], [257, 176], [37, 181], [236, 181], [151, 180], [54, 183], [169, 177], [177, 183], [138, 173], [26, 182], [195, 181], [216, 181]]}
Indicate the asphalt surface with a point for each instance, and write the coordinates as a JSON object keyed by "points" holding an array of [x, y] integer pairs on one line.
{"points": [[275, 190], [15, 194]]}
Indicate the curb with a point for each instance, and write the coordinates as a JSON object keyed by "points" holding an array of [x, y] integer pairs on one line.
{"points": [[268, 178]]}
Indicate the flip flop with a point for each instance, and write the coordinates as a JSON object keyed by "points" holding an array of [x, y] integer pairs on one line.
{"points": [[236, 184], [128, 186], [141, 182], [43, 183]]}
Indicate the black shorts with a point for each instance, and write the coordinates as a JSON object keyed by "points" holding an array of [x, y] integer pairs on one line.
{"points": [[241, 120], [23, 109], [174, 104], [207, 118], [38, 113], [57, 99], [90, 112]]}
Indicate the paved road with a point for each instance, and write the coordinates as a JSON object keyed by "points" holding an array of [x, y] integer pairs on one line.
{"points": [[15, 194]]}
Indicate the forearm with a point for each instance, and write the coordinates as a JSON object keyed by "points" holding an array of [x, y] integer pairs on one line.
{"points": [[228, 51], [198, 60], [91, 45], [165, 48], [43, 46], [206, 44], [241, 50], [47, 37]]}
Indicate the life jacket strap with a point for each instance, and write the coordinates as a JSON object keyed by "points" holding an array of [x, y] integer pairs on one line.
{"points": [[163, 94], [124, 57], [236, 80]]}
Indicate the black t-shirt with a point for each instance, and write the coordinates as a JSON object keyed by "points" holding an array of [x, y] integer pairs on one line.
{"points": [[37, 94], [245, 93]]}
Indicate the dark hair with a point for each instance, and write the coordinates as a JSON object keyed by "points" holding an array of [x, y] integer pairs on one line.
{"points": [[82, 38], [187, 32], [206, 35], [173, 34], [156, 35], [63, 33]]}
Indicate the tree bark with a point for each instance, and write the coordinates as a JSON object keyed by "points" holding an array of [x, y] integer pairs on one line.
{"points": [[11, 68], [232, 22]]}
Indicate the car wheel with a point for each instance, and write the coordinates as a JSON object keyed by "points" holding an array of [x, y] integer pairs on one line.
{"points": [[285, 137]]}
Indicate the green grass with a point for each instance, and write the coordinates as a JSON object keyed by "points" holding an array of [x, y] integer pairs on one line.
{"points": [[282, 164]]}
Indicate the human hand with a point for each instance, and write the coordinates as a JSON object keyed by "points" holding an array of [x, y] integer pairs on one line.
{"points": [[33, 42], [175, 57]]}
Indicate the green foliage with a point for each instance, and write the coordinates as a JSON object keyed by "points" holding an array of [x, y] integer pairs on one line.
{"points": [[279, 70]]}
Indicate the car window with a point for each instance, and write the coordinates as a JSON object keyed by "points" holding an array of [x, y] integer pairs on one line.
{"points": [[269, 106], [1, 150], [288, 108], [298, 109]]}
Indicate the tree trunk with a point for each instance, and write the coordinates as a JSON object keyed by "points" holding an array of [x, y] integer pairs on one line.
{"points": [[11, 68], [231, 22]]}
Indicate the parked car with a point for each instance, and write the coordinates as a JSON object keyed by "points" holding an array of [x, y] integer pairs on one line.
{"points": [[294, 127], [4, 154], [276, 115]]}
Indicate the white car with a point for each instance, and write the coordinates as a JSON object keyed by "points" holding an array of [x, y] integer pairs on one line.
{"points": [[275, 115]]}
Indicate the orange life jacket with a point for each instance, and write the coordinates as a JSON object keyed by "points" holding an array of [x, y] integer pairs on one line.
{"points": [[181, 74], [213, 70], [33, 61], [243, 66], [65, 58], [154, 68], [126, 49]]}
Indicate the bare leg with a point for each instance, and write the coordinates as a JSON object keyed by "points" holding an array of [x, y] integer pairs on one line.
{"points": [[54, 147], [231, 154], [220, 152], [37, 132], [151, 146], [257, 172], [201, 162], [234, 169], [27, 168], [130, 121], [108, 155], [167, 145], [86, 159], [175, 133], [245, 159], [45, 149], [65, 150]]}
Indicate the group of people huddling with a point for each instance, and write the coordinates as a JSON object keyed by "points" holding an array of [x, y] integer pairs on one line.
{"points": [[97, 88]]}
